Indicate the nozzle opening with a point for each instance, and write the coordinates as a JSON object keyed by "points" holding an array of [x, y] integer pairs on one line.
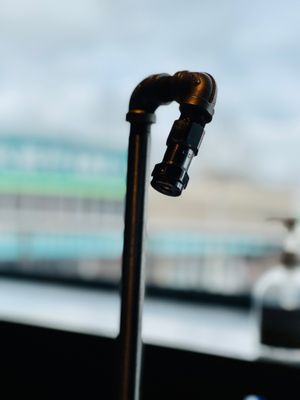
{"points": [[169, 179]]}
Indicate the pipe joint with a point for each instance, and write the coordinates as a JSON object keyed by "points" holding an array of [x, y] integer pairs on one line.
{"points": [[196, 93]]}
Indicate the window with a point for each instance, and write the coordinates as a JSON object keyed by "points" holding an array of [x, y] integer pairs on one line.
{"points": [[67, 72]]}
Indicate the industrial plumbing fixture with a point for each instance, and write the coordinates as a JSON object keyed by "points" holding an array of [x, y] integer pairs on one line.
{"points": [[196, 94]]}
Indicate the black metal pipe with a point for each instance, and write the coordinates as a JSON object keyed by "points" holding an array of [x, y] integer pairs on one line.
{"points": [[133, 280], [196, 94]]}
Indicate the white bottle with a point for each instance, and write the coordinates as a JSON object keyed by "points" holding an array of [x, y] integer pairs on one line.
{"points": [[276, 299]]}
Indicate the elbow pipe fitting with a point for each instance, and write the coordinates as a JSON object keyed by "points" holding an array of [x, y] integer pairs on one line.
{"points": [[196, 94]]}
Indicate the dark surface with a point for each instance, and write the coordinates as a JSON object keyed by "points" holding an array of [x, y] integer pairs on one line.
{"points": [[280, 328], [50, 364]]}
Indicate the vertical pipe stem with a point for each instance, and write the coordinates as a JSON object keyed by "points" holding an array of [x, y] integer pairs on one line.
{"points": [[133, 279]]}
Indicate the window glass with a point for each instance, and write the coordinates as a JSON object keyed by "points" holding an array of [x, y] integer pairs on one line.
{"points": [[67, 71]]}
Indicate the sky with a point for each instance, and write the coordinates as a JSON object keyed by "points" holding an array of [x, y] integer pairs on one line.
{"points": [[68, 68]]}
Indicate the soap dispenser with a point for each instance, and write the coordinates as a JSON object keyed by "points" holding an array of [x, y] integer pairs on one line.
{"points": [[276, 300]]}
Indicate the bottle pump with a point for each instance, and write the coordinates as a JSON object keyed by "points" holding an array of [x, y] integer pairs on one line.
{"points": [[277, 302]]}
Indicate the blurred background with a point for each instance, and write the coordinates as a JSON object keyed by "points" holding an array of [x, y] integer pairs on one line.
{"points": [[67, 71]]}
